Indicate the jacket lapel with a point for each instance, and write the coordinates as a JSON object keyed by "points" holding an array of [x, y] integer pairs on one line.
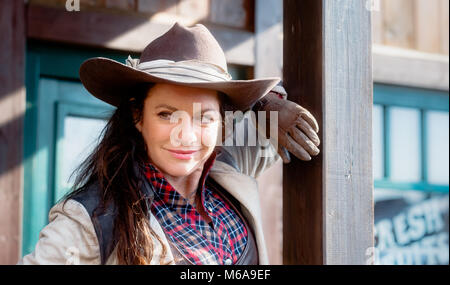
{"points": [[245, 189], [242, 187]]}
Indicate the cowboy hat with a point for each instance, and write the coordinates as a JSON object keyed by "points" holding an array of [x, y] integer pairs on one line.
{"points": [[183, 56]]}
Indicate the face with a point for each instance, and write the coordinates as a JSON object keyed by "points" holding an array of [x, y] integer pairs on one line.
{"points": [[180, 126]]}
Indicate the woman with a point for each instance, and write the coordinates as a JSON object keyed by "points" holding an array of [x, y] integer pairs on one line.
{"points": [[157, 191]]}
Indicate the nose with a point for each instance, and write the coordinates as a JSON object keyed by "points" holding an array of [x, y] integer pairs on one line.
{"points": [[188, 133]]}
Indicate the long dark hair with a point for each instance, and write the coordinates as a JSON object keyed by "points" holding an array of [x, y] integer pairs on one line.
{"points": [[112, 166]]}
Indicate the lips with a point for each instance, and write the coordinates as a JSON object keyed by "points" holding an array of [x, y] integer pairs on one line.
{"points": [[183, 151], [182, 154]]}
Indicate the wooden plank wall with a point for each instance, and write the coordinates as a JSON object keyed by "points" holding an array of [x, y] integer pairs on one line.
{"points": [[12, 106], [119, 26], [123, 31], [415, 24], [230, 13]]}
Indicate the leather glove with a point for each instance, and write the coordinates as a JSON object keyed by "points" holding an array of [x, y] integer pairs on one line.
{"points": [[297, 128]]}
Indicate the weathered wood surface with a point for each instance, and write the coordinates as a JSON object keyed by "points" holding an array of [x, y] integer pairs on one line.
{"points": [[328, 202], [302, 181], [398, 19], [347, 103], [232, 13], [444, 25], [123, 32], [411, 68], [428, 30], [411, 43], [12, 106], [414, 24]]}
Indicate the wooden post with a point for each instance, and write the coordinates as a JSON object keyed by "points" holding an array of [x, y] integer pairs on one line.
{"points": [[328, 202], [12, 106]]}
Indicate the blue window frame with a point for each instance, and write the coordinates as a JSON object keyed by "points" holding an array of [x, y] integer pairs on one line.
{"points": [[411, 165], [422, 101]]}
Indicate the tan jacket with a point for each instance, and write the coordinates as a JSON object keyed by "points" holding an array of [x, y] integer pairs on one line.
{"points": [[70, 237]]}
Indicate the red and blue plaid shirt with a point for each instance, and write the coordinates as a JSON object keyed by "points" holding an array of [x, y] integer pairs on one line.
{"points": [[220, 243]]}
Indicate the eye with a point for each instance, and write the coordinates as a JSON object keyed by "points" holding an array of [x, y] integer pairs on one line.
{"points": [[208, 119], [164, 115]]}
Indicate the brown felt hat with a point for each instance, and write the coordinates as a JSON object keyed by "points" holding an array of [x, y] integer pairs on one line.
{"points": [[188, 56]]}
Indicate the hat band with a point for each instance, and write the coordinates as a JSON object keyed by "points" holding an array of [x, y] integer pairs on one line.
{"points": [[188, 71]]}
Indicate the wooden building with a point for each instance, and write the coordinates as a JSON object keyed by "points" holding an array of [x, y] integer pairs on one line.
{"points": [[43, 46], [321, 211], [411, 131]]}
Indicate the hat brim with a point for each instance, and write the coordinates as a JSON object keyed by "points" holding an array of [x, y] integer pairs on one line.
{"points": [[110, 81]]}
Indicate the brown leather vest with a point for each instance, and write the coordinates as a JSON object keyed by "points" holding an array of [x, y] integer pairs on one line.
{"points": [[250, 254]]}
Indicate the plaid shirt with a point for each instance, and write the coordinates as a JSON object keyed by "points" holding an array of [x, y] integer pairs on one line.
{"points": [[221, 243]]}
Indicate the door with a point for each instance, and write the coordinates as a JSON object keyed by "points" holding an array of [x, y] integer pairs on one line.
{"points": [[63, 123]]}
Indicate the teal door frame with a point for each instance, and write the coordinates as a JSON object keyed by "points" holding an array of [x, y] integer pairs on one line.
{"points": [[423, 99], [63, 110], [53, 91]]}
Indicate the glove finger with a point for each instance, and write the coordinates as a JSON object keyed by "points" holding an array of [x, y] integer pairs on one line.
{"points": [[284, 154], [307, 130], [303, 140], [311, 120], [291, 145]]}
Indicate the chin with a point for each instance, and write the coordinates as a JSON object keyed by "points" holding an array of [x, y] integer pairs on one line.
{"points": [[179, 167]]}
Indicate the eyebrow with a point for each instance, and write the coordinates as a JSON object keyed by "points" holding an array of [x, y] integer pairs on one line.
{"points": [[175, 109]]}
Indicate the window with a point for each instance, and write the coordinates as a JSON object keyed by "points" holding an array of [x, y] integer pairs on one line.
{"points": [[411, 165]]}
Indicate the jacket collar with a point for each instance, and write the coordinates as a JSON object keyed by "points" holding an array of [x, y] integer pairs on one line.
{"points": [[166, 191], [233, 181], [242, 187]]}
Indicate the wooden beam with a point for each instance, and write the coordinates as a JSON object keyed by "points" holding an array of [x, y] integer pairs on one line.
{"points": [[411, 68], [328, 202], [127, 32], [12, 106], [348, 103], [302, 181]]}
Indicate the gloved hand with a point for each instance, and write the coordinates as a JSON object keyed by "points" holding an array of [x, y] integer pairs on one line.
{"points": [[297, 128]]}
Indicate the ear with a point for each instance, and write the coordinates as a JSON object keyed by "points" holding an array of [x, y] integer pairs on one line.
{"points": [[139, 126]]}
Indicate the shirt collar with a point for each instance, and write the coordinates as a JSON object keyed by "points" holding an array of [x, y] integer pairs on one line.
{"points": [[168, 193]]}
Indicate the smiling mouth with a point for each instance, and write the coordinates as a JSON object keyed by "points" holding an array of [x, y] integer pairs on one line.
{"points": [[182, 151], [182, 154]]}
